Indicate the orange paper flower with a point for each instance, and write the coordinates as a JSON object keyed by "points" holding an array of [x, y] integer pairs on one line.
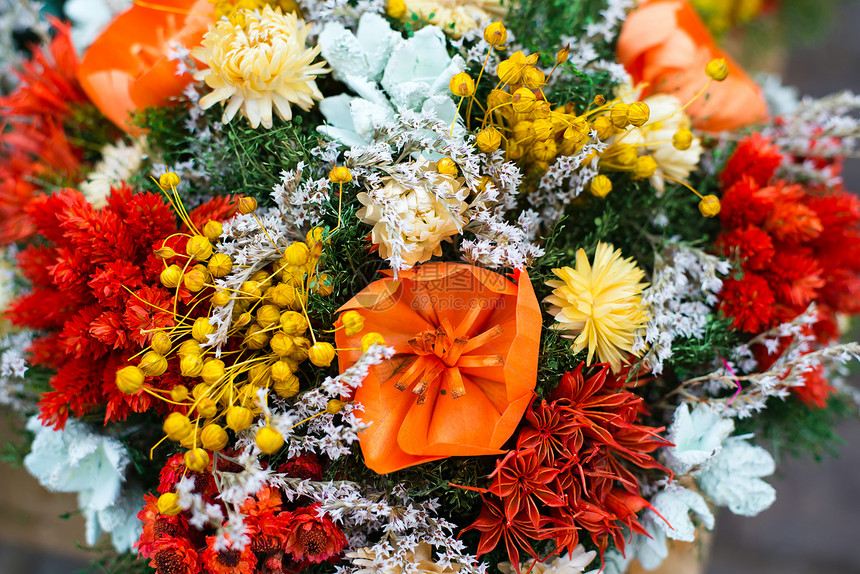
{"points": [[126, 69], [666, 44], [466, 342]]}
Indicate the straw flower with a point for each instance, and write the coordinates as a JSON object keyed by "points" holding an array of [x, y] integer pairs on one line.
{"points": [[457, 17], [599, 306], [260, 65]]}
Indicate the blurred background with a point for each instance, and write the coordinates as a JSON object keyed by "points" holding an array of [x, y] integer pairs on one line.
{"points": [[811, 529]]}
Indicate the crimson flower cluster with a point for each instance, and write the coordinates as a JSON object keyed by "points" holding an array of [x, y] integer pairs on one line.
{"points": [[96, 292], [284, 537], [34, 146], [569, 471], [795, 245]]}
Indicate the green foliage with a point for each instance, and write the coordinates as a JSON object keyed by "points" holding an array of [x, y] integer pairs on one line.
{"points": [[792, 428], [541, 24], [690, 354]]}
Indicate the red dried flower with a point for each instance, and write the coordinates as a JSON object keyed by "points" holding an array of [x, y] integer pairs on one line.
{"points": [[230, 561], [755, 157], [749, 302], [743, 204], [305, 466], [175, 556], [816, 390], [313, 538], [750, 245]]}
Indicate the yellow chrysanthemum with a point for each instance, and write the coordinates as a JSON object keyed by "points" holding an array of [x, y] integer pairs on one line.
{"points": [[599, 306], [259, 65], [457, 17]]}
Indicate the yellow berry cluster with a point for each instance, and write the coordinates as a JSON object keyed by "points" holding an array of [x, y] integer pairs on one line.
{"points": [[270, 336]]}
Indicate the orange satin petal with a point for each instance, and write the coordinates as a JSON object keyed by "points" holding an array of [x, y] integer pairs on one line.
{"points": [[666, 44], [126, 69], [503, 322]]}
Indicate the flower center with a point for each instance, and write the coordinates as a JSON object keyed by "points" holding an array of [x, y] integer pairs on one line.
{"points": [[442, 352]]}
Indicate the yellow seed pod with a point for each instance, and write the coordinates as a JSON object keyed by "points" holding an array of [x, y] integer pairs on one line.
{"points": [[248, 396], [645, 167], [268, 315], [213, 437], [489, 139], [206, 408], [129, 379], [196, 459], [251, 289], [194, 280], [353, 322], [462, 85], [192, 440], [497, 99], [287, 388], [495, 34], [293, 323], [562, 55], [239, 418], [709, 206], [259, 375], [179, 393], [281, 371], [301, 352], [340, 175], [509, 72], [165, 252], [682, 139], [334, 406], [447, 166], [213, 230], [618, 115], [191, 365], [189, 347], [177, 426], [626, 156], [514, 150], [199, 247], [255, 337], [161, 343], [542, 110], [153, 364], [220, 298], [314, 236], [171, 277], [396, 9], [544, 150], [168, 180], [282, 344], [600, 186], [717, 69], [201, 329], [241, 319], [523, 100], [297, 253], [200, 390], [283, 295], [371, 339], [168, 504], [542, 129], [263, 278], [269, 440], [604, 127], [533, 78], [532, 59], [638, 113], [247, 205], [321, 354], [294, 275], [220, 265], [523, 132], [213, 371]]}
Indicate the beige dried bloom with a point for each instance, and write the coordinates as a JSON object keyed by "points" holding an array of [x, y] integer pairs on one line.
{"points": [[457, 17]]}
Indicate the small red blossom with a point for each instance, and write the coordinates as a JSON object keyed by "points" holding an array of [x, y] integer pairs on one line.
{"points": [[230, 561], [304, 466], [749, 302], [750, 245], [755, 157], [175, 556], [743, 203], [313, 538]]}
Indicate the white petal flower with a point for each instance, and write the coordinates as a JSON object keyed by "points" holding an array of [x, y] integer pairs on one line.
{"points": [[733, 478], [697, 435], [675, 504]]}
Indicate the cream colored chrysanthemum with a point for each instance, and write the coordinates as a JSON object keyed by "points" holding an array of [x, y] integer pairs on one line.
{"points": [[667, 117], [457, 17], [599, 306], [422, 559], [259, 65], [574, 563], [410, 221]]}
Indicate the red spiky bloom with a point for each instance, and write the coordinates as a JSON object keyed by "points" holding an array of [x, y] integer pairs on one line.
{"points": [[157, 527], [744, 204], [96, 291], [750, 245], [230, 561], [749, 302], [572, 470], [175, 555], [312, 538], [755, 157]]}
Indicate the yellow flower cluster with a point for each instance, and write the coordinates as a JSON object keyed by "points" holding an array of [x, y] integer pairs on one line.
{"points": [[270, 335]]}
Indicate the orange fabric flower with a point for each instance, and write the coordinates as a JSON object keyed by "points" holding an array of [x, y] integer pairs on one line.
{"points": [[666, 44], [466, 342], [126, 69]]}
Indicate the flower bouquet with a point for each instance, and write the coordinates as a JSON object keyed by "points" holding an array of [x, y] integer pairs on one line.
{"points": [[416, 286]]}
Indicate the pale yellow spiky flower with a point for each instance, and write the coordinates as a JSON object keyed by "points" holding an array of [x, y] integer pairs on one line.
{"points": [[599, 306], [258, 64]]}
